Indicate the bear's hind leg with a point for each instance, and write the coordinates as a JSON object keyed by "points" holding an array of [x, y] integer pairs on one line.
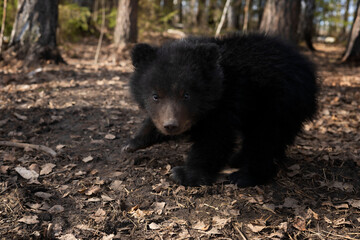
{"points": [[256, 160], [208, 155]]}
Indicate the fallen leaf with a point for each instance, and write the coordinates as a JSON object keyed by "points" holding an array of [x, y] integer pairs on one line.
{"points": [[311, 213], [47, 168], [60, 146], [220, 222], [32, 219], [117, 186], [214, 231], [299, 223], [43, 195], [106, 198], [92, 190], [80, 173], [27, 174], [20, 117], [110, 136], [94, 199], [108, 237], [34, 205], [68, 236], [200, 225], [163, 185], [158, 207], [88, 159], [255, 228], [154, 226], [56, 209], [354, 203], [4, 169], [99, 215]]}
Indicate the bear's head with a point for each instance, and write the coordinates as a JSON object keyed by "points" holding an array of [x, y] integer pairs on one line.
{"points": [[177, 84]]}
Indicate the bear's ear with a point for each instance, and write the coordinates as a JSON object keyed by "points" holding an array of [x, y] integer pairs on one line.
{"points": [[142, 54], [208, 51]]}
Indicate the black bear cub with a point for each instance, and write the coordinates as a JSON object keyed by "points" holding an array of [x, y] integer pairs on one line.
{"points": [[217, 90]]}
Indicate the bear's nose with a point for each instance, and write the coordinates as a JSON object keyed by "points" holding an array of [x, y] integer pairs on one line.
{"points": [[171, 125]]}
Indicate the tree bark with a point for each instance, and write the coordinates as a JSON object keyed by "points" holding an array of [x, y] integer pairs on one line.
{"points": [[281, 18], [346, 16], [247, 15], [232, 16], [260, 10], [352, 53], [126, 30], [309, 23], [33, 37]]}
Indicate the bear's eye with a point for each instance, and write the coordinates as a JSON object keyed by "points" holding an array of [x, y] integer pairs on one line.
{"points": [[186, 96], [155, 97]]}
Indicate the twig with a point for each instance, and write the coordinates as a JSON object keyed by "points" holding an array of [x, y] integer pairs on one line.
{"points": [[240, 232], [27, 145], [222, 20], [3, 25], [337, 235], [101, 33]]}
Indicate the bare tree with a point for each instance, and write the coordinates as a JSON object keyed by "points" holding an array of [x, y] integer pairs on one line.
{"points": [[309, 23], [247, 11], [281, 18], [233, 15], [33, 37], [346, 16], [126, 22], [352, 53]]}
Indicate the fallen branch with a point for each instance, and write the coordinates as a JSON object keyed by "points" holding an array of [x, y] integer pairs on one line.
{"points": [[27, 145], [222, 20]]}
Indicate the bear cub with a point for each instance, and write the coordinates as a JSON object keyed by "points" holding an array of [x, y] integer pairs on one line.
{"points": [[216, 90]]}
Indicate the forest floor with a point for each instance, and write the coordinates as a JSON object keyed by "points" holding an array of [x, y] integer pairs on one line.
{"points": [[90, 190]]}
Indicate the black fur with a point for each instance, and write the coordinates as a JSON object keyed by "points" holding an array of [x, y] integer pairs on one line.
{"points": [[251, 86]]}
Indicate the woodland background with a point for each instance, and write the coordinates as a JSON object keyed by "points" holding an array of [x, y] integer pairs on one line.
{"points": [[65, 112]]}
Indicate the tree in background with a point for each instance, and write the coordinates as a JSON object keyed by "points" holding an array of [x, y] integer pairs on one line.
{"points": [[281, 18], [33, 36], [247, 11], [126, 30], [352, 53], [308, 23]]}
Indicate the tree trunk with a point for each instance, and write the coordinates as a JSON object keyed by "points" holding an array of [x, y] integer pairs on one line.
{"points": [[126, 22], [352, 53], [201, 14], [179, 15], [309, 23], [346, 16], [33, 37], [247, 10], [281, 18], [260, 10], [231, 16]]}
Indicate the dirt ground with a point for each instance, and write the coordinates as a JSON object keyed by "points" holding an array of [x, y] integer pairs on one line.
{"points": [[90, 190]]}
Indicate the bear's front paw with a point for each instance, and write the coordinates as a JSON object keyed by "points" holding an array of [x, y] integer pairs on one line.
{"points": [[129, 147], [244, 179], [188, 176]]}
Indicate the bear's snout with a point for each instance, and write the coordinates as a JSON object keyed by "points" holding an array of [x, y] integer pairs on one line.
{"points": [[171, 125]]}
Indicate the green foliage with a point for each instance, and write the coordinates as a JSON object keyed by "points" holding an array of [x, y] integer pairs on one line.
{"points": [[73, 21], [10, 15], [111, 18]]}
